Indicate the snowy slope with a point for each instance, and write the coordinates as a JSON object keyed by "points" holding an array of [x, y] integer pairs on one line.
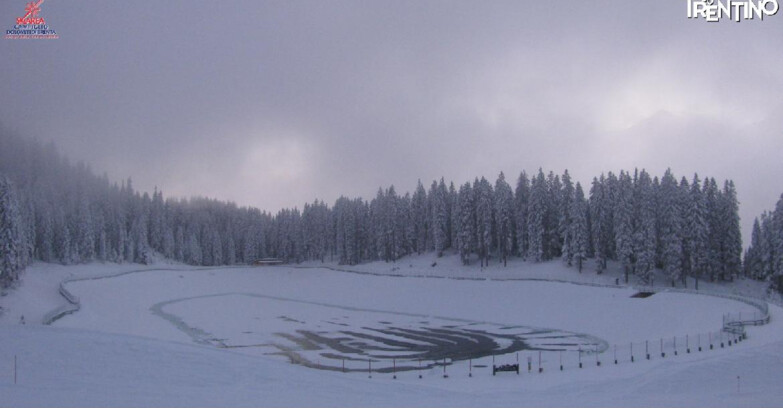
{"points": [[65, 367], [117, 351]]}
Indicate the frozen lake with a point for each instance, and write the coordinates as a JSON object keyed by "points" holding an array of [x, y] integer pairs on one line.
{"points": [[335, 320]]}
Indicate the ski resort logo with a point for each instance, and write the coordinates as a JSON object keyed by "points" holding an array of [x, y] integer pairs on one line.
{"points": [[714, 11], [31, 26]]}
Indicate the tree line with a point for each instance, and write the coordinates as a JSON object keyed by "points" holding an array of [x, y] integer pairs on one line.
{"points": [[55, 211], [764, 256]]}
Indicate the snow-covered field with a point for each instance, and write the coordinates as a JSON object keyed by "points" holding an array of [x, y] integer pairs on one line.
{"points": [[180, 336]]}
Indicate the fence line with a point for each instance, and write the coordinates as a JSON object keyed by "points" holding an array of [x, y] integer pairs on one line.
{"points": [[730, 325], [539, 361]]}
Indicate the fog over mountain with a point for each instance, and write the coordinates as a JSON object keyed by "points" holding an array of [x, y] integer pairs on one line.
{"points": [[274, 104]]}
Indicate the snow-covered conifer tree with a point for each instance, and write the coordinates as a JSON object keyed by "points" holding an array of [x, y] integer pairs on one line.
{"points": [[454, 217], [45, 231], [84, 230], [598, 197], [138, 232], [440, 216], [63, 240], [484, 208], [753, 263], [579, 231], [686, 237], [467, 225], [696, 226], [732, 239], [671, 227], [553, 243], [714, 228], [168, 241], [521, 198], [767, 252], [645, 234], [536, 213], [230, 251], [420, 217], [193, 253], [504, 218], [156, 221], [402, 227], [777, 238], [564, 224], [623, 218], [11, 244]]}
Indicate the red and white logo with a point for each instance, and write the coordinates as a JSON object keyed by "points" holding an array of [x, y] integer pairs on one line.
{"points": [[31, 26]]}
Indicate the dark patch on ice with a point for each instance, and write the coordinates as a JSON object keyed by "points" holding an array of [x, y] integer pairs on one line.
{"points": [[302, 341], [250, 346], [410, 346], [341, 357], [642, 295], [288, 319]]}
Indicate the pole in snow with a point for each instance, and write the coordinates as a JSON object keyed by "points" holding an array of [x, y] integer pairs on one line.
{"points": [[675, 345], [444, 368], [540, 369], [369, 368], [662, 353], [419, 368], [615, 353], [632, 352], [561, 360], [14, 369], [470, 368], [394, 368]]}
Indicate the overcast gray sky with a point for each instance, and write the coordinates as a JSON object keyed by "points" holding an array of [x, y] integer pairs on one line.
{"points": [[276, 103]]}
